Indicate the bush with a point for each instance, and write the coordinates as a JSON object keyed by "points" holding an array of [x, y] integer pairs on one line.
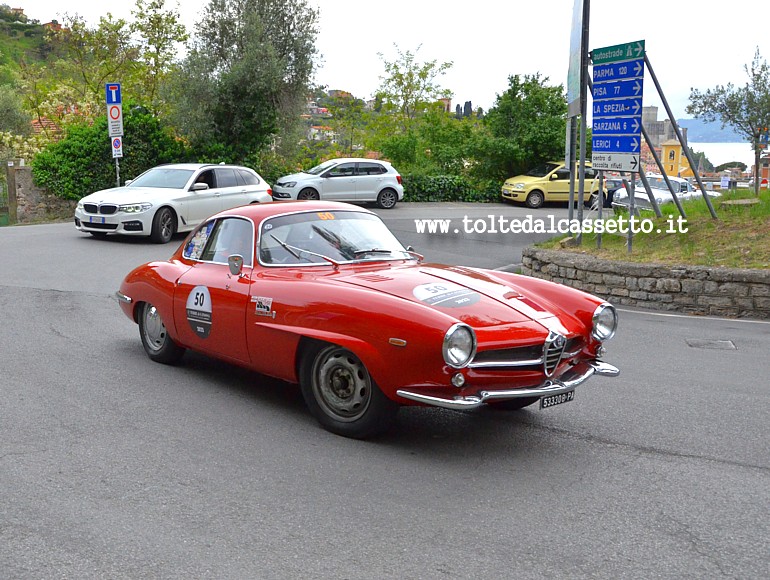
{"points": [[82, 162], [448, 188]]}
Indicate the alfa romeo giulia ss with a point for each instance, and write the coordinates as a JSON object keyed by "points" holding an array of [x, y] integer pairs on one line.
{"points": [[362, 323]]}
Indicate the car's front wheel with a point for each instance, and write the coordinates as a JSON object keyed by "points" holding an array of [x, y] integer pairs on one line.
{"points": [[163, 226], [535, 199], [308, 193], [342, 395], [387, 199], [155, 338]]}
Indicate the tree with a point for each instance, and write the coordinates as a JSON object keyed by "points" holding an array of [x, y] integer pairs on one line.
{"points": [[746, 109], [348, 119], [246, 76], [526, 125], [13, 118], [409, 86], [159, 33]]}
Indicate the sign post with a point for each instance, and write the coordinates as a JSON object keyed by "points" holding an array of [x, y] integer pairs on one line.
{"points": [[618, 84], [115, 123]]}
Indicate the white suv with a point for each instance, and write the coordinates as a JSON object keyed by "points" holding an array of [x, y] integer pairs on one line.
{"points": [[345, 179]]}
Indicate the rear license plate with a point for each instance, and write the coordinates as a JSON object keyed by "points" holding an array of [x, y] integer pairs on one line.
{"points": [[552, 400]]}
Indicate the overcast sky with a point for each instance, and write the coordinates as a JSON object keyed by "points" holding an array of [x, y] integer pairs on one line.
{"points": [[688, 44]]}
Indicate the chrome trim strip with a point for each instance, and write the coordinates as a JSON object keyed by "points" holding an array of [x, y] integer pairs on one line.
{"points": [[123, 298], [506, 364], [567, 382]]}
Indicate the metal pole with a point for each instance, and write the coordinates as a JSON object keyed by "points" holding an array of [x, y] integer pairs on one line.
{"points": [[653, 201], [663, 173], [583, 108], [681, 139], [117, 171], [601, 205], [572, 129], [631, 212]]}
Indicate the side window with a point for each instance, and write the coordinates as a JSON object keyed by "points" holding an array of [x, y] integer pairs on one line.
{"points": [[206, 177], [194, 248], [342, 170], [230, 236], [562, 174], [369, 168], [590, 173], [248, 177], [226, 177]]}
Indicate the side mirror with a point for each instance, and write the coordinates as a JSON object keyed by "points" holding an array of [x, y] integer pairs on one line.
{"points": [[200, 186], [235, 262], [128, 181]]}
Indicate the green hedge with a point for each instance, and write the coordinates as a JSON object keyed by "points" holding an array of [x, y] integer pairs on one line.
{"points": [[448, 188]]}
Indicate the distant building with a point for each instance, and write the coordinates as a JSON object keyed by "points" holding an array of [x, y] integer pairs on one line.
{"points": [[659, 131]]}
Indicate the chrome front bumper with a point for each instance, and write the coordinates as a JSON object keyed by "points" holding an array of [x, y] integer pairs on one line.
{"points": [[571, 379]]}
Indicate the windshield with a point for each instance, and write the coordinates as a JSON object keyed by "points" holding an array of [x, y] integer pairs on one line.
{"points": [[309, 238], [160, 177], [660, 183], [321, 168], [542, 170]]}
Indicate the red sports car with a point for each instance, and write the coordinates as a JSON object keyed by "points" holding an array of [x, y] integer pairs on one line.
{"points": [[323, 294]]}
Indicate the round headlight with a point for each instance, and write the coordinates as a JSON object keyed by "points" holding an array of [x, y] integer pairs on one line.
{"points": [[605, 322], [459, 345]]}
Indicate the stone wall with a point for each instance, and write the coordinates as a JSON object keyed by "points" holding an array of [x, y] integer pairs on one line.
{"points": [[29, 203], [689, 289]]}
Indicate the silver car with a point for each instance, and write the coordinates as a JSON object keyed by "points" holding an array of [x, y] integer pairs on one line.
{"points": [[345, 179], [168, 199]]}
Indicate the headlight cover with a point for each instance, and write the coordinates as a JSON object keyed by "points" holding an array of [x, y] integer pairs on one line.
{"points": [[605, 322], [134, 207], [289, 184], [459, 346]]}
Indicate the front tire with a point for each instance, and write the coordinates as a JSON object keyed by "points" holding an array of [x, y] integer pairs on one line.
{"points": [[342, 396], [535, 199], [163, 226], [387, 199], [308, 193], [155, 338]]}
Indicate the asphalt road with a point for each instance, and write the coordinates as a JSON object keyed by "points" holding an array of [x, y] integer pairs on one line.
{"points": [[112, 466]]}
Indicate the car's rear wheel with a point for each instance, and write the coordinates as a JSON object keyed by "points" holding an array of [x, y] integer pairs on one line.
{"points": [[535, 199], [387, 199], [514, 404], [163, 226], [308, 193], [155, 338], [341, 395]]}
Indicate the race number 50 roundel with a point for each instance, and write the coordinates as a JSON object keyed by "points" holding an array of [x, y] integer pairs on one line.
{"points": [[199, 311]]}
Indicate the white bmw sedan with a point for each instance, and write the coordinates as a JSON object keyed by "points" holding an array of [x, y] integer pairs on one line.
{"points": [[168, 199]]}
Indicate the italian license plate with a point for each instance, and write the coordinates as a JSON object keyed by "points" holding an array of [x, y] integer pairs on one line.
{"points": [[95, 220], [551, 400]]}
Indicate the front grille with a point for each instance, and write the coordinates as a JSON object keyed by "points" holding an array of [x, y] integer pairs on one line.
{"points": [[522, 356], [95, 226], [106, 209], [552, 352]]}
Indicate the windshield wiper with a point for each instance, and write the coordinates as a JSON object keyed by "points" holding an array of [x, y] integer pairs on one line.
{"points": [[298, 253], [372, 251]]}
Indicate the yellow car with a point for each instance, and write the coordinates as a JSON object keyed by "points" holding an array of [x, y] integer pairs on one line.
{"points": [[548, 182]]}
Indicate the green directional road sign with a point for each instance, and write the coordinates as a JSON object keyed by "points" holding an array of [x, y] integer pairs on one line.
{"points": [[619, 52]]}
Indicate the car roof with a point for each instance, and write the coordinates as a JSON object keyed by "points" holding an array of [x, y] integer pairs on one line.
{"points": [[195, 166], [261, 211], [354, 159]]}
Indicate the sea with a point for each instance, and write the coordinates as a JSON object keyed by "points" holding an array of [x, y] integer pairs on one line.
{"points": [[720, 153]]}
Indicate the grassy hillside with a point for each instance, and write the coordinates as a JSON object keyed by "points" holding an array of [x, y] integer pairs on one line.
{"points": [[20, 41]]}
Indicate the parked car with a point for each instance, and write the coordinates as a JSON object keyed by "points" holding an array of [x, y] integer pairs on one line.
{"points": [[345, 179], [611, 185], [683, 189], [324, 295], [548, 182], [168, 199]]}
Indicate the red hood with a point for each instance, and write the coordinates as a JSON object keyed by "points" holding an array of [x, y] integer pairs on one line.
{"points": [[468, 295]]}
